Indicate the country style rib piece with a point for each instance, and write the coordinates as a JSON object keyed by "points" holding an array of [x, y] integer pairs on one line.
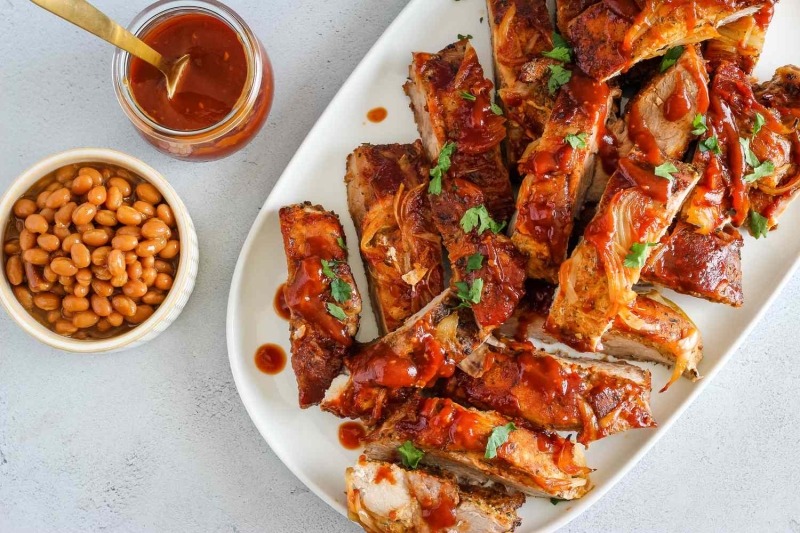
{"points": [[385, 498], [558, 171], [741, 41], [520, 31], [456, 438], [595, 282], [568, 10], [427, 347], [655, 330], [470, 190], [401, 248], [610, 37], [321, 295], [595, 398]]}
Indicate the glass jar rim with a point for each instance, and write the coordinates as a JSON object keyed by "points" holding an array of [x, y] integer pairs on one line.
{"points": [[160, 11]]}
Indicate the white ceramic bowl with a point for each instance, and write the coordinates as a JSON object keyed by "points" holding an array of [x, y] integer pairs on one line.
{"points": [[181, 289]]}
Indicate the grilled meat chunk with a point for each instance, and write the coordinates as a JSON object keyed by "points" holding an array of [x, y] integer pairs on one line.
{"points": [[385, 498], [595, 398], [387, 193], [455, 438], [595, 283], [568, 10], [741, 41], [609, 37], [520, 32], [558, 171], [319, 339]]}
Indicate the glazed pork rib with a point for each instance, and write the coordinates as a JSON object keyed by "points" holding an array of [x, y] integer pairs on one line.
{"points": [[610, 37], [321, 295], [385, 498], [558, 171], [520, 32], [595, 282], [595, 398], [568, 10], [402, 251], [741, 41], [455, 438]]}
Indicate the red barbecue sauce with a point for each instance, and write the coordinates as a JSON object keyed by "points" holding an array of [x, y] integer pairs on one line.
{"points": [[270, 358], [351, 435], [279, 303], [213, 80], [377, 114]]}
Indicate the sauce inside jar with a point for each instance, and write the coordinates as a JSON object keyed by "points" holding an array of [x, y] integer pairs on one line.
{"points": [[351, 435], [212, 82], [270, 359]]}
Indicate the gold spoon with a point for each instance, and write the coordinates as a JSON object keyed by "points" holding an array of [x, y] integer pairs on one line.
{"points": [[86, 16]]}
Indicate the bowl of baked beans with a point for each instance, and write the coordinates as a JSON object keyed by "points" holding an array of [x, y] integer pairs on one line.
{"points": [[99, 252]]}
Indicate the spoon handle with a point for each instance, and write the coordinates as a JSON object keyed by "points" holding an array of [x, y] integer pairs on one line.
{"points": [[86, 16]]}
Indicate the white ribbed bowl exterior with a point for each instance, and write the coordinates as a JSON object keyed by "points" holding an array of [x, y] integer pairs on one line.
{"points": [[185, 277]]}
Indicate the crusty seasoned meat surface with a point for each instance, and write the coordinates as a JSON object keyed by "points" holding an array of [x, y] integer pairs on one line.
{"points": [[520, 32], [609, 37], [595, 398], [319, 339], [568, 10], [558, 173], [455, 438], [387, 193], [595, 282], [386, 498], [741, 41]]}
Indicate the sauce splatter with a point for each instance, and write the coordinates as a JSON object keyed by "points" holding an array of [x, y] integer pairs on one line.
{"points": [[279, 302], [377, 114], [270, 358], [351, 435]]}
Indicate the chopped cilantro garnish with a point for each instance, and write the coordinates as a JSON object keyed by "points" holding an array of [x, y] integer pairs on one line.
{"points": [[637, 255], [666, 170], [498, 437], [699, 125], [341, 290], [758, 225], [327, 268], [441, 168], [462, 37], [496, 109], [671, 57], [336, 311], [469, 294], [760, 169], [410, 455], [561, 50], [558, 77], [479, 217], [467, 96], [340, 241], [474, 262], [710, 145], [556, 501], [576, 141], [758, 124]]}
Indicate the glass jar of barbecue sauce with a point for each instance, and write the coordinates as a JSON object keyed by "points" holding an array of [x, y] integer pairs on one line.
{"points": [[225, 94]]}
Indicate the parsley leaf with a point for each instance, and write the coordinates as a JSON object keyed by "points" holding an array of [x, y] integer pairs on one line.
{"points": [[467, 96], [556, 501], [710, 145], [474, 262], [462, 37], [760, 170], [479, 217], [758, 225], [410, 455], [327, 268], [336, 311], [671, 57], [558, 40], [561, 50], [441, 168], [699, 125], [576, 141], [636, 258], [498, 437], [496, 109], [340, 241], [758, 124], [749, 156], [558, 77], [666, 170], [469, 294], [341, 290]]}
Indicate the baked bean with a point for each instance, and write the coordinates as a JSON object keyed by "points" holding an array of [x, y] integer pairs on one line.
{"points": [[149, 276], [148, 193], [24, 207], [41, 199], [80, 290], [27, 240], [36, 223], [103, 288], [154, 228], [64, 214], [75, 304], [116, 262], [70, 241], [130, 257], [63, 266], [14, 270], [97, 177], [80, 255], [134, 270], [12, 247], [52, 316], [101, 305], [109, 232], [129, 216], [85, 319], [58, 198], [101, 272], [49, 274], [97, 195], [135, 231], [148, 262], [154, 297], [100, 255], [53, 186], [171, 250], [103, 325], [124, 243], [143, 312], [106, 217], [84, 214], [47, 301], [163, 266], [123, 186], [82, 184], [49, 242], [83, 228], [119, 280], [147, 210], [123, 305], [62, 232], [115, 319], [84, 276], [36, 256], [65, 327], [48, 214], [164, 213], [150, 247], [66, 281], [95, 237], [24, 297], [113, 198], [134, 288]]}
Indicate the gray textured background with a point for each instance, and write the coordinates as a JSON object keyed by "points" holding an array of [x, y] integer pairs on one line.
{"points": [[158, 440]]}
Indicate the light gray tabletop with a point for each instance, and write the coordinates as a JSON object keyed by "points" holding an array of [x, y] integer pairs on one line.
{"points": [[157, 439]]}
